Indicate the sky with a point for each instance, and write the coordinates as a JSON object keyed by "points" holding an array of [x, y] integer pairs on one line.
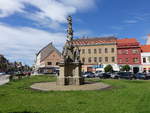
{"points": [[26, 26]]}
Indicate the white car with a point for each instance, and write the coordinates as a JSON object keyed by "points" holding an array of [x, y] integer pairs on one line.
{"points": [[88, 75], [97, 73], [2, 73]]}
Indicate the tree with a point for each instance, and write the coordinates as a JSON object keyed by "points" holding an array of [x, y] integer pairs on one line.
{"points": [[108, 68], [125, 68]]}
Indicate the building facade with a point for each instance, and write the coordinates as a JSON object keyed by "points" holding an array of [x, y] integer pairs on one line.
{"points": [[145, 58], [129, 53], [3, 64], [47, 59], [96, 53]]}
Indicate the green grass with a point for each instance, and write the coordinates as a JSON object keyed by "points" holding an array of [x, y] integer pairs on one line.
{"points": [[125, 97]]}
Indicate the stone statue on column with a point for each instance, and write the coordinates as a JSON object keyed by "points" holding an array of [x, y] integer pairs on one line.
{"points": [[70, 67]]}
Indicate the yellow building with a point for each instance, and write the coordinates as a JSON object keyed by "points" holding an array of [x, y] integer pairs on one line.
{"points": [[96, 53]]}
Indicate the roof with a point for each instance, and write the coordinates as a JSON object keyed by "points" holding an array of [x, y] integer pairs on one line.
{"points": [[97, 40], [145, 48], [47, 50], [127, 42]]}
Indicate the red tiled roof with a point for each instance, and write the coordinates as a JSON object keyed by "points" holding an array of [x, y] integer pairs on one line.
{"points": [[127, 42], [90, 41], [145, 48]]}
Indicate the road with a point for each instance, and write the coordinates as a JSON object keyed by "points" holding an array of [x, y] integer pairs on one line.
{"points": [[4, 79]]}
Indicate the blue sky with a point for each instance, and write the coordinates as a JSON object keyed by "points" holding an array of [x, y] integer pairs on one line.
{"points": [[28, 25]]}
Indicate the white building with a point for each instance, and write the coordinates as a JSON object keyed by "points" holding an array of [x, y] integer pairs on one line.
{"points": [[148, 40], [145, 58]]}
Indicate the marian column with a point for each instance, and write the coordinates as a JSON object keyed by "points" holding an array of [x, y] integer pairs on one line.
{"points": [[70, 66], [69, 31]]}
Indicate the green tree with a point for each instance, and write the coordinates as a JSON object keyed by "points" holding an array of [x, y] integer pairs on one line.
{"points": [[108, 68], [125, 68]]}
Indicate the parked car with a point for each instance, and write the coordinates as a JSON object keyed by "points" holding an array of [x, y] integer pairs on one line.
{"points": [[148, 76], [114, 75], [97, 73], [2, 73], [125, 75], [140, 76], [104, 75], [88, 74]]}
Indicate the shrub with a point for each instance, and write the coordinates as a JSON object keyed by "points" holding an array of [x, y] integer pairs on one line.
{"points": [[108, 68]]}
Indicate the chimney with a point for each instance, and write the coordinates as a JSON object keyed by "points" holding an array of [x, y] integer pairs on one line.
{"points": [[148, 40]]}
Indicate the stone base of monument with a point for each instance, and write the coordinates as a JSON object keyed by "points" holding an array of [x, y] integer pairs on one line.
{"points": [[70, 81], [51, 86], [70, 74]]}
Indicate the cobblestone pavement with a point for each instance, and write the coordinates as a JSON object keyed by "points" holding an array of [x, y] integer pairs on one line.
{"points": [[51, 86]]}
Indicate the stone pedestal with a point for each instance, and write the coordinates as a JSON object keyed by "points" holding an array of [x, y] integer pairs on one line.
{"points": [[70, 74]]}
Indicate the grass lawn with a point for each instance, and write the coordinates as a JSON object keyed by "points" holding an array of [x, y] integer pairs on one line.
{"points": [[127, 97]]}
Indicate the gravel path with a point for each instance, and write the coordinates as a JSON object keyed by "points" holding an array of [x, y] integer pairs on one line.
{"points": [[51, 86]]}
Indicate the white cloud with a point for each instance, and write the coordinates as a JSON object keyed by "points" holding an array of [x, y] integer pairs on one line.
{"points": [[23, 43], [54, 10], [83, 33], [8, 7], [130, 21]]}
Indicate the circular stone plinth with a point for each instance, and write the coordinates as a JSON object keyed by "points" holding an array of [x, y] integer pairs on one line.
{"points": [[51, 86]]}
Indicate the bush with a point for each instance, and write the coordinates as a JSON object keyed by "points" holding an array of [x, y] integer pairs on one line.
{"points": [[125, 68], [108, 68]]}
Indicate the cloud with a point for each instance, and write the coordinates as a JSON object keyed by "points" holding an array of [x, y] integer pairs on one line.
{"points": [[8, 7], [130, 21], [23, 43], [83, 33], [51, 10]]}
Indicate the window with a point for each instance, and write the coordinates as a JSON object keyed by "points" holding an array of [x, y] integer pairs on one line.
{"points": [[100, 59], [127, 60], [149, 59], [95, 51], [83, 60], [83, 51], [106, 50], [144, 60], [57, 63], [89, 51], [135, 60], [113, 59], [89, 60], [120, 60], [100, 51], [112, 50], [135, 51], [119, 52], [126, 52], [95, 59], [49, 63], [106, 59]]}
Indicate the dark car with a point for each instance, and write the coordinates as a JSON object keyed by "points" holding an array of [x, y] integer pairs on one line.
{"points": [[140, 76], [147, 76], [104, 75], [125, 75], [88, 74]]}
